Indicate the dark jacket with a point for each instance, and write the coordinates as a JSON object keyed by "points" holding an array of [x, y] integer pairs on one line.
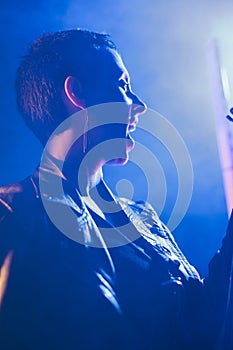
{"points": [[57, 293]]}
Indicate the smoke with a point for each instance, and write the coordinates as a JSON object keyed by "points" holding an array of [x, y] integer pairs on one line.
{"points": [[164, 45]]}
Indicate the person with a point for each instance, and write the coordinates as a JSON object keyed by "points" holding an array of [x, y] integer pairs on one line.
{"points": [[80, 268]]}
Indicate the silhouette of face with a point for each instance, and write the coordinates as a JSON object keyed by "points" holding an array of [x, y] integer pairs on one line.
{"points": [[110, 85]]}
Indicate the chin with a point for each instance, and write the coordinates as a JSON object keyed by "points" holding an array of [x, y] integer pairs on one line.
{"points": [[123, 154], [118, 161]]}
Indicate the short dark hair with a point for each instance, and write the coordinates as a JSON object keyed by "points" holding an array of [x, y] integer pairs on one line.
{"points": [[42, 72]]}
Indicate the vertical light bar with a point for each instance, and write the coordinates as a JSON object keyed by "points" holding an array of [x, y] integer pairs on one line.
{"points": [[224, 127]]}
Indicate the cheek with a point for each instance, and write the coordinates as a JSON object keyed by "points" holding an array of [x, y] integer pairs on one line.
{"points": [[123, 97], [102, 135], [107, 93], [114, 95]]}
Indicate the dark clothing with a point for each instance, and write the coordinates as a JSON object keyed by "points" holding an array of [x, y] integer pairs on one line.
{"points": [[56, 293]]}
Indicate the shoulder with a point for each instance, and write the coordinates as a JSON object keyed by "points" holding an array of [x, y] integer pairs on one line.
{"points": [[138, 206], [13, 195], [148, 215]]}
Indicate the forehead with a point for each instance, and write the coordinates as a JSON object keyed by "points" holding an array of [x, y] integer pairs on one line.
{"points": [[110, 63]]}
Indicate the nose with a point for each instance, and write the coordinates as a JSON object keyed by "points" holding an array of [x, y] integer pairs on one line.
{"points": [[138, 107]]}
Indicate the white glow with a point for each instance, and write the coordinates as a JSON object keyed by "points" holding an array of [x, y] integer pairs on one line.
{"points": [[225, 84]]}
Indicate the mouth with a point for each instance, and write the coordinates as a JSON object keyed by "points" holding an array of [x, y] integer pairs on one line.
{"points": [[132, 124], [131, 128]]}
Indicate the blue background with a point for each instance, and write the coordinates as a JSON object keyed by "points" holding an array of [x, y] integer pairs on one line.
{"points": [[165, 47]]}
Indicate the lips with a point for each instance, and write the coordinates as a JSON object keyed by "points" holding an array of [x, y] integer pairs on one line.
{"points": [[131, 128], [133, 121]]}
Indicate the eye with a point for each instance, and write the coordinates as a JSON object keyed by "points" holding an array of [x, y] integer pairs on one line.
{"points": [[124, 85]]}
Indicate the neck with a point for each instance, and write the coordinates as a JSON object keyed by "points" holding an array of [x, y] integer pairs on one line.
{"points": [[83, 172], [88, 180]]}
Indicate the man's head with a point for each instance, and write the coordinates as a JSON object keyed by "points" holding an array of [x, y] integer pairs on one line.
{"points": [[69, 71], [43, 71]]}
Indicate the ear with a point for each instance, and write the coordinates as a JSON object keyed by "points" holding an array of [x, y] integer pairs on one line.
{"points": [[73, 91]]}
